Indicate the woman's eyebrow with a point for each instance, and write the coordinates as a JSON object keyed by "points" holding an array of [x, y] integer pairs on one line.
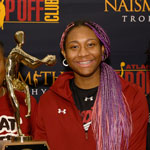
{"points": [[75, 41]]}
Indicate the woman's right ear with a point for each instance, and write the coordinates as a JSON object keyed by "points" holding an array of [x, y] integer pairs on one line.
{"points": [[63, 53]]}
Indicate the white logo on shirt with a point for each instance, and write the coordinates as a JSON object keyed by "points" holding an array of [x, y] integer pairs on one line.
{"points": [[87, 125], [89, 98], [8, 126], [61, 111]]}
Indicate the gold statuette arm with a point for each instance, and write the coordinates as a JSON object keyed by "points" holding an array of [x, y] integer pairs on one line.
{"points": [[31, 61], [34, 63]]}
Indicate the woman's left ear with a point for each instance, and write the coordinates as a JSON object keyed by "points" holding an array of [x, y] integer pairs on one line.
{"points": [[103, 49]]}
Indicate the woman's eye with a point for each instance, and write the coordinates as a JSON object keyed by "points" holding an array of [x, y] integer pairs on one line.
{"points": [[91, 44], [74, 47]]}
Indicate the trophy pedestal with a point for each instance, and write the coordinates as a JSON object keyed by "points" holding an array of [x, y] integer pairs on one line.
{"points": [[31, 145], [21, 139]]}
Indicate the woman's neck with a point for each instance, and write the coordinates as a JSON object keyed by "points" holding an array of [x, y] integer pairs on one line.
{"points": [[87, 82]]}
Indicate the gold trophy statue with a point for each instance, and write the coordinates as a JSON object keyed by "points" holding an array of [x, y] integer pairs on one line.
{"points": [[15, 57]]}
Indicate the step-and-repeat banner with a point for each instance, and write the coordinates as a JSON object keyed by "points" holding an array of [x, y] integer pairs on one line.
{"points": [[127, 22]]}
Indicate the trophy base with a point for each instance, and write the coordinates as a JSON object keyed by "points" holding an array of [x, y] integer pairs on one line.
{"points": [[32, 145], [21, 139]]}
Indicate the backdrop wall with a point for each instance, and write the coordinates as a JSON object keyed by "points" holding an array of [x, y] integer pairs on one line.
{"points": [[127, 22]]}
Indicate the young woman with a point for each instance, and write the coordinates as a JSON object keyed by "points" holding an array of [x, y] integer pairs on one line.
{"points": [[8, 127], [91, 107]]}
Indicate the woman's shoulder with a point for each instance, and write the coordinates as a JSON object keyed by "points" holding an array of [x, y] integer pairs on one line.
{"points": [[130, 87], [46, 95], [45, 99], [59, 89], [134, 94]]}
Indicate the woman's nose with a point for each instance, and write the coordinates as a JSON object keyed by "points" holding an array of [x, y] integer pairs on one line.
{"points": [[83, 51]]}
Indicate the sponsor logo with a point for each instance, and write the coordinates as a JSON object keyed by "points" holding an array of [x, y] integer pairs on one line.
{"points": [[88, 98], [33, 78], [2, 14], [133, 10], [61, 111], [29, 11], [138, 74]]}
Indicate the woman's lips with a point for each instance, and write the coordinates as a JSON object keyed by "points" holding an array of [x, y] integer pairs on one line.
{"points": [[85, 63]]}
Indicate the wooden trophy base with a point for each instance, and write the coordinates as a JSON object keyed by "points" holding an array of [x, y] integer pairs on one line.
{"points": [[31, 145]]}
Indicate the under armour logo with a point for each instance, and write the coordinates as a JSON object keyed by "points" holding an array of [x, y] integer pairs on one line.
{"points": [[61, 111], [89, 98]]}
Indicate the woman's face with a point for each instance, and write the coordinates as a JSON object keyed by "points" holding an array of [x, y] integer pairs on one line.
{"points": [[2, 68], [83, 51]]}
